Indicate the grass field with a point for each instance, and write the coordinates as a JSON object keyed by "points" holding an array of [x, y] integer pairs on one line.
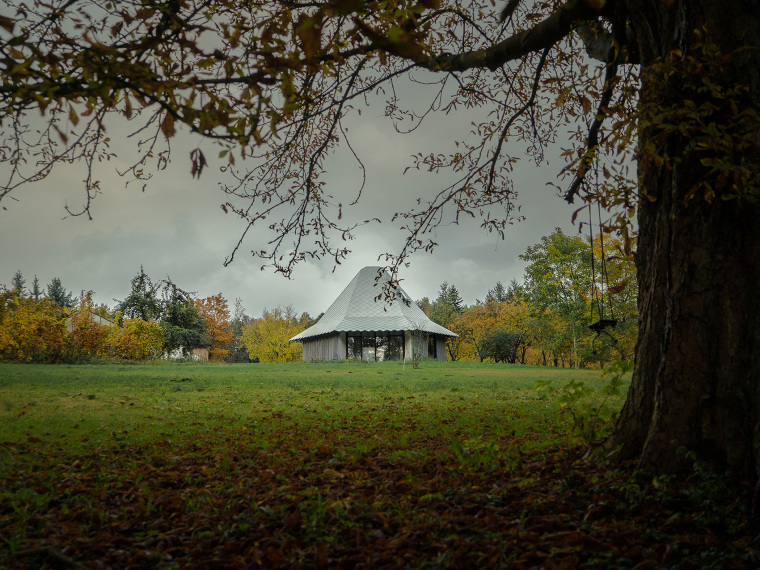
{"points": [[321, 465], [76, 407]]}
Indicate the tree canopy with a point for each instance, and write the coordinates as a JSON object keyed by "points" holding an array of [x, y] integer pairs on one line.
{"points": [[274, 83]]}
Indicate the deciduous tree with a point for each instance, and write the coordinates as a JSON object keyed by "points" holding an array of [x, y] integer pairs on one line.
{"points": [[501, 345], [671, 83], [216, 316], [136, 339], [87, 334], [32, 331], [558, 277], [616, 295], [474, 324], [425, 305], [266, 338]]}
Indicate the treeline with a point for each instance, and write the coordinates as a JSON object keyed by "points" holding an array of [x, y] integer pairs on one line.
{"points": [[569, 284], [157, 319]]}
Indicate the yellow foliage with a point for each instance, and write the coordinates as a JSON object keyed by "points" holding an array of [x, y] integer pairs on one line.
{"points": [[266, 338], [136, 340], [32, 331], [484, 318]]}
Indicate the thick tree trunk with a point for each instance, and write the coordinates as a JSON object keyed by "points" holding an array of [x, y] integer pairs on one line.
{"points": [[696, 385]]}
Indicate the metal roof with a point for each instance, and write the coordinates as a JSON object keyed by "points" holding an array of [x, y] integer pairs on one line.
{"points": [[356, 310]]}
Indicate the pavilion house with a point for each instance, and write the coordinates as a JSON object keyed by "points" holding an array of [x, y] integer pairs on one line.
{"points": [[357, 327]]}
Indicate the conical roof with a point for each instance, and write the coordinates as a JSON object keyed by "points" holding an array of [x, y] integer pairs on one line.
{"points": [[356, 310]]}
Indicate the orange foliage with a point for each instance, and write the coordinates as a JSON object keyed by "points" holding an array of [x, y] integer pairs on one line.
{"points": [[87, 334], [485, 318], [216, 315]]}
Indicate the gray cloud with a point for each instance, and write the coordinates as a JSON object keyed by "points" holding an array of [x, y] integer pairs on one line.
{"points": [[176, 227]]}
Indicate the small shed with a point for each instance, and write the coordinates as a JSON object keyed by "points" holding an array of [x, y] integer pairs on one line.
{"points": [[358, 327]]}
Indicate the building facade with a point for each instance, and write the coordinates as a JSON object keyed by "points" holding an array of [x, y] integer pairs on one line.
{"points": [[359, 326]]}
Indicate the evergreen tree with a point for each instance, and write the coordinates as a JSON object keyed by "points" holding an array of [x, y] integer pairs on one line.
{"points": [[455, 299], [58, 294], [18, 283], [142, 301], [36, 291], [448, 306], [498, 294], [515, 291], [181, 322]]}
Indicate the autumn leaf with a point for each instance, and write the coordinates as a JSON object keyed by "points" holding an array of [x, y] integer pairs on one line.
{"points": [[615, 289], [309, 31], [7, 24], [198, 161], [167, 126]]}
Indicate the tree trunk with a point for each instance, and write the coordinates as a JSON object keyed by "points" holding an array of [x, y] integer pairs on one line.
{"points": [[696, 384], [576, 359]]}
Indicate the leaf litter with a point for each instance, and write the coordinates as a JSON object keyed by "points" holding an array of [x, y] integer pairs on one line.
{"points": [[397, 482]]}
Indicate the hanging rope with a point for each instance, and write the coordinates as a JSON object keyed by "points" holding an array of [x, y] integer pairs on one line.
{"points": [[597, 296], [594, 293], [605, 273]]}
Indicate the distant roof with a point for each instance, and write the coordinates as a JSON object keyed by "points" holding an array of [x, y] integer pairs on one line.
{"points": [[355, 309]]}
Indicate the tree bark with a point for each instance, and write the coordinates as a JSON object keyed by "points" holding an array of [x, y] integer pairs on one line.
{"points": [[695, 387]]}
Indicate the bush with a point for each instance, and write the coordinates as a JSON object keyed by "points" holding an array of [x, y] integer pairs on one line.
{"points": [[32, 331], [501, 345], [136, 340]]}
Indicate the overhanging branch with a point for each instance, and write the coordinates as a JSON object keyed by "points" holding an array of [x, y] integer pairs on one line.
{"points": [[544, 34]]}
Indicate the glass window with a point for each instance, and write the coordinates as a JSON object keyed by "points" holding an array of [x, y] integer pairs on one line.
{"points": [[381, 347], [354, 348], [375, 346], [396, 347], [368, 348]]}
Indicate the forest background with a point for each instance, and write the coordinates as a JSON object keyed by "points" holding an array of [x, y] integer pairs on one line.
{"points": [[568, 284]]}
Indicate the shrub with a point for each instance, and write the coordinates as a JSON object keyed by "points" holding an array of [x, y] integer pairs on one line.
{"points": [[136, 340]]}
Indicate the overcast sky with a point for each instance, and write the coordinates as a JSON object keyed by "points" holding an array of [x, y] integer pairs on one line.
{"points": [[177, 229]]}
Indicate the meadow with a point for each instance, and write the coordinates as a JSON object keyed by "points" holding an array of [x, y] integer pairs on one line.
{"points": [[77, 407], [328, 465]]}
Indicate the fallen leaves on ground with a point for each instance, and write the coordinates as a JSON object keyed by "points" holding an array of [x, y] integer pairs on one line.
{"points": [[346, 497]]}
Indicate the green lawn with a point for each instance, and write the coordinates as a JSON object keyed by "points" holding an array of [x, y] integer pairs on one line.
{"points": [[327, 466], [78, 407]]}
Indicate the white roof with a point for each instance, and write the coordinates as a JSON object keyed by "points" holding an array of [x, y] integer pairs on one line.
{"points": [[356, 310]]}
